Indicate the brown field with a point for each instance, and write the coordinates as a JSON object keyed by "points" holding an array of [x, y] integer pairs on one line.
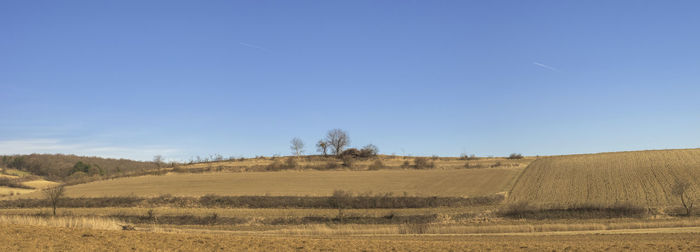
{"points": [[24, 238], [638, 177], [433, 182]]}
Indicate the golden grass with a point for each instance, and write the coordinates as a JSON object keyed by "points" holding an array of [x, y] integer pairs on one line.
{"points": [[68, 222], [640, 177], [435, 182], [40, 184]]}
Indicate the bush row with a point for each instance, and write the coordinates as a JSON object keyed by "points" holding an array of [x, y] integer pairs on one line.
{"points": [[214, 201], [524, 210]]}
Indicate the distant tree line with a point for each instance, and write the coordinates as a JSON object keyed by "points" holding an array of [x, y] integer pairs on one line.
{"points": [[60, 167]]}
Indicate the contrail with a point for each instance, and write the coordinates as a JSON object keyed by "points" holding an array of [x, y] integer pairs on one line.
{"points": [[253, 46], [544, 66]]}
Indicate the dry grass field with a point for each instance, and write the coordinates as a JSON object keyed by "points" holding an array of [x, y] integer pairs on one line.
{"points": [[32, 238], [643, 178], [433, 182]]}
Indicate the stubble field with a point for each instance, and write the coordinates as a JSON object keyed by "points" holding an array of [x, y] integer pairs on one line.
{"points": [[435, 182]]}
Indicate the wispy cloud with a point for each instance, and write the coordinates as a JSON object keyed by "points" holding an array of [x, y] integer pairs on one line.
{"points": [[50, 145], [545, 66], [253, 46]]}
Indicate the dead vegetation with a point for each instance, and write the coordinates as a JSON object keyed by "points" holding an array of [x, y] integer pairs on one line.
{"points": [[62, 221]]}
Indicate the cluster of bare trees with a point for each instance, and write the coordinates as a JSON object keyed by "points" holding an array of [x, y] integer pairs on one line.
{"points": [[334, 143]]}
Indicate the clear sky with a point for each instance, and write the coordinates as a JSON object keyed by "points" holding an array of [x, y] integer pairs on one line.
{"points": [[134, 79]]}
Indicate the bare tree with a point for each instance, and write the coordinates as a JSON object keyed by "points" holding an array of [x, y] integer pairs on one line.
{"points": [[297, 146], [682, 189], [369, 150], [337, 139], [322, 146], [53, 195], [158, 160]]}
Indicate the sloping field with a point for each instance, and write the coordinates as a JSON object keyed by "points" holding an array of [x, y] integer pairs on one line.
{"points": [[638, 177], [463, 182]]}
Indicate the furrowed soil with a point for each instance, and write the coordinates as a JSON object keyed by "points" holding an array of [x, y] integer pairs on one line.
{"points": [[643, 178]]}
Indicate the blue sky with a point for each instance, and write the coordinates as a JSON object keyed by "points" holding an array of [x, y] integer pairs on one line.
{"points": [[135, 79]]}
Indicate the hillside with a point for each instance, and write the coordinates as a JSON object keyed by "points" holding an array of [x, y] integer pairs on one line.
{"points": [[644, 178], [59, 167], [331, 163]]}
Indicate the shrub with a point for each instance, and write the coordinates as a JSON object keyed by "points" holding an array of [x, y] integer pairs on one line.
{"points": [[291, 163], [332, 165], [212, 218], [369, 151], [406, 164], [150, 215], [515, 156], [376, 165], [348, 161], [352, 152], [467, 165], [423, 163]]}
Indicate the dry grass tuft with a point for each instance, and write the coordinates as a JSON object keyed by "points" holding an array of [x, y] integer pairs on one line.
{"points": [[69, 222], [347, 229]]}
